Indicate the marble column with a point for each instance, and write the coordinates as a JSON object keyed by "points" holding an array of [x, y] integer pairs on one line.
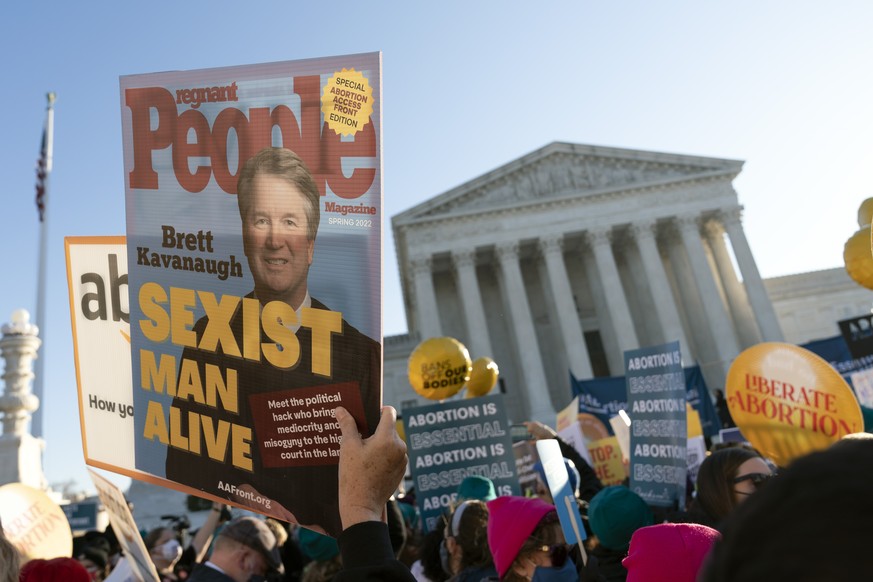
{"points": [[471, 299], [568, 319], [736, 295], [645, 234], [762, 307], [717, 319], [425, 298], [616, 300], [531, 364]]}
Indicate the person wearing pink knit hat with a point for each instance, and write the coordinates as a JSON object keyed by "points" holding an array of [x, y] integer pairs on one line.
{"points": [[526, 540], [55, 570], [668, 552]]}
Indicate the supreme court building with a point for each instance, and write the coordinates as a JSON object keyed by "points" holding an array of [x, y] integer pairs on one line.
{"points": [[561, 260]]}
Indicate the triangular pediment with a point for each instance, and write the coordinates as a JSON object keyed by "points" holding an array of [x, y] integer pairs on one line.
{"points": [[562, 170]]}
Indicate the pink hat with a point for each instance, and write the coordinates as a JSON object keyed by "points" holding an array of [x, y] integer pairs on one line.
{"points": [[511, 520], [669, 552], [56, 569]]}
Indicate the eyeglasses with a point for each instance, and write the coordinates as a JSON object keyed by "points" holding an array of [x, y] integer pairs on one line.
{"points": [[757, 479], [557, 553]]}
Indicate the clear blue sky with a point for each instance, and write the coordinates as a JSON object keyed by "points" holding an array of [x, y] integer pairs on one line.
{"points": [[468, 86]]}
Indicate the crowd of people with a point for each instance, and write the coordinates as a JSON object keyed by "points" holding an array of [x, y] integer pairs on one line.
{"points": [[748, 521]]}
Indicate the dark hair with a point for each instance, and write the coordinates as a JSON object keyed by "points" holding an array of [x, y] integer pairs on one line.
{"points": [[472, 534], [810, 523], [715, 490], [546, 533], [429, 554], [285, 164]]}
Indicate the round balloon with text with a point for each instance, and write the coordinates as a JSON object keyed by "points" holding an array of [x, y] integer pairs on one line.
{"points": [[788, 402], [439, 367], [483, 377], [34, 523]]}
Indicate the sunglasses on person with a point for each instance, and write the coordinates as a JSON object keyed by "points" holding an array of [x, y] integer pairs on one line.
{"points": [[558, 553], [757, 479]]}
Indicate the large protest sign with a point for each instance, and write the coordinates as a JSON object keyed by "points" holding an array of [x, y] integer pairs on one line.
{"points": [[656, 405], [254, 226], [604, 397], [97, 280], [449, 441], [558, 482], [789, 402], [125, 529]]}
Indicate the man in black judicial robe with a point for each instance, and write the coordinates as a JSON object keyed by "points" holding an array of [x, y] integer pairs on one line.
{"points": [[279, 208]]}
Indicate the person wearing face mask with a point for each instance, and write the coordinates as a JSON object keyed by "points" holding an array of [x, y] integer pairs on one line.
{"points": [[244, 551], [527, 543], [165, 550]]}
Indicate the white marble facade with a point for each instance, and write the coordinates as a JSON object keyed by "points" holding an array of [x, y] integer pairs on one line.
{"points": [[568, 256]]}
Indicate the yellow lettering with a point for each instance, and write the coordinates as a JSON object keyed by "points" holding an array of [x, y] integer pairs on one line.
{"points": [[151, 295], [218, 329], [252, 329], [323, 324], [182, 318], [176, 438], [157, 378], [241, 448], [189, 382], [155, 424], [227, 391], [215, 437], [194, 432], [275, 314]]}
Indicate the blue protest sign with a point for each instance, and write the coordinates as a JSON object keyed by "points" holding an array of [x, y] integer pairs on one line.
{"points": [[659, 433], [449, 441], [559, 485]]}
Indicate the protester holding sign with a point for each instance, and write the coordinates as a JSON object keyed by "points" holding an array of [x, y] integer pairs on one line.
{"points": [[588, 484], [726, 478]]}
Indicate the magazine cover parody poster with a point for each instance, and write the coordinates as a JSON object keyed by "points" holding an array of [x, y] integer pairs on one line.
{"points": [[254, 230]]}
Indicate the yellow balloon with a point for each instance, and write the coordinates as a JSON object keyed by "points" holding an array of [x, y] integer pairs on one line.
{"points": [[439, 367], [789, 402], [34, 523], [482, 378], [858, 257]]}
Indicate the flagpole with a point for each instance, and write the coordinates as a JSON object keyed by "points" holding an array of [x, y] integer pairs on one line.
{"points": [[46, 155]]}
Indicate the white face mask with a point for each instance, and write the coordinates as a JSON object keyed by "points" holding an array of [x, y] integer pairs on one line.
{"points": [[171, 550]]}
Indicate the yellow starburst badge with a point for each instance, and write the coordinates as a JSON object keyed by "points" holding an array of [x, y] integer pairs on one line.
{"points": [[347, 102]]}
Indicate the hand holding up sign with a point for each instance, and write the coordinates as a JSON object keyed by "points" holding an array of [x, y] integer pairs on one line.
{"points": [[369, 469]]}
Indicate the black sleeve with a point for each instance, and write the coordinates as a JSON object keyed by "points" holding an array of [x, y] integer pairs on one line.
{"points": [[589, 483], [396, 526], [367, 555]]}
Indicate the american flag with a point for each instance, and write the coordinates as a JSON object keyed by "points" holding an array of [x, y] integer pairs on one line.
{"points": [[41, 174]]}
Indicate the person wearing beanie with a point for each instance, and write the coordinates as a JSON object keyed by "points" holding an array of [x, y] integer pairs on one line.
{"points": [[56, 570], [614, 514], [668, 552], [476, 487], [323, 552], [527, 543]]}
